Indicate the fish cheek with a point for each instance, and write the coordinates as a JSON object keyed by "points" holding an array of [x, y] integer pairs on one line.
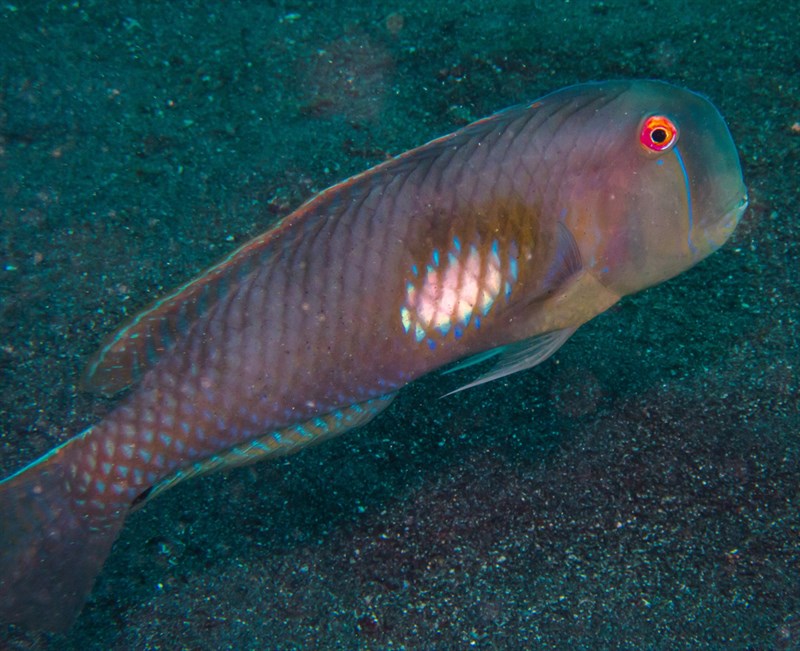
{"points": [[641, 228], [660, 224]]}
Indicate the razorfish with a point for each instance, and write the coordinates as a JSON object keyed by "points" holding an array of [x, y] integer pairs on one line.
{"points": [[498, 240]]}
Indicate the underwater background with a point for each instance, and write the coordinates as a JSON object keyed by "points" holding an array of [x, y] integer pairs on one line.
{"points": [[641, 490]]}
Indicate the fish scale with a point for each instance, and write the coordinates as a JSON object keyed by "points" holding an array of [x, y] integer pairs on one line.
{"points": [[495, 242]]}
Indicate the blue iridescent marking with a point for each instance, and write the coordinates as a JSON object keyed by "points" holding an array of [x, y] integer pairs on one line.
{"points": [[477, 322], [122, 471], [106, 466], [513, 268], [691, 246], [457, 244], [166, 439], [458, 332], [185, 427], [452, 260], [100, 485], [146, 455], [277, 437], [431, 344], [436, 257], [444, 328], [660, 162], [414, 270], [405, 319]]}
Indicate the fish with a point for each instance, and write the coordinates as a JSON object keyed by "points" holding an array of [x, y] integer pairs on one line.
{"points": [[496, 242]]}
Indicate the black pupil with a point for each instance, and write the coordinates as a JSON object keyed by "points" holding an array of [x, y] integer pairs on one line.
{"points": [[659, 135]]}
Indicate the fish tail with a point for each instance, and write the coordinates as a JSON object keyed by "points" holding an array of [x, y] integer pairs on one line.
{"points": [[53, 541]]}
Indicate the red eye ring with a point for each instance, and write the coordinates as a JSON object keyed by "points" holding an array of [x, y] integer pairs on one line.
{"points": [[658, 133]]}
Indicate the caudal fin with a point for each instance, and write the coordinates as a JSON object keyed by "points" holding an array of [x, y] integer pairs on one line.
{"points": [[52, 545]]}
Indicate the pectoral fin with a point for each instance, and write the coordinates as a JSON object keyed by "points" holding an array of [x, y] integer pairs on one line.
{"points": [[475, 359], [521, 355]]}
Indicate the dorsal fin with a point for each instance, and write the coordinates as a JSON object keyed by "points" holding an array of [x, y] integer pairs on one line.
{"points": [[136, 346]]}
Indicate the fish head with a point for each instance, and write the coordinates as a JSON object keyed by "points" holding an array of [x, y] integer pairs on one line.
{"points": [[661, 185]]}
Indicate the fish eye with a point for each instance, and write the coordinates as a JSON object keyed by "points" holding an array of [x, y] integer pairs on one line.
{"points": [[658, 133]]}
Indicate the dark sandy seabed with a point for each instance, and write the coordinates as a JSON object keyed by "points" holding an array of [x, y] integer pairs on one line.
{"points": [[640, 491]]}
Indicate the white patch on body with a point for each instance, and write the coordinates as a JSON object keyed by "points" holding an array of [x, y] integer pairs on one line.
{"points": [[452, 292]]}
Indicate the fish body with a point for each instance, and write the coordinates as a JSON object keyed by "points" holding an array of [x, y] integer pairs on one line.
{"points": [[498, 240]]}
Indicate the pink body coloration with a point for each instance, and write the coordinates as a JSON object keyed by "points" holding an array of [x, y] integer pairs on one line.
{"points": [[498, 240]]}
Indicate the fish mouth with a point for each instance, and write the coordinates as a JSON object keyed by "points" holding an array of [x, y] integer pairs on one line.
{"points": [[732, 216], [717, 234], [739, 206]]}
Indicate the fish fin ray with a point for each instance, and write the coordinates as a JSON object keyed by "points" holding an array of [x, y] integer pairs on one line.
{"points": [[522, 355], [279, 443], [139, 344], [474, 359]]}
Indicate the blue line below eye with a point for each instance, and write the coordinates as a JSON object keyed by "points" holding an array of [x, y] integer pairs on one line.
{"points": [[678, 156]]}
